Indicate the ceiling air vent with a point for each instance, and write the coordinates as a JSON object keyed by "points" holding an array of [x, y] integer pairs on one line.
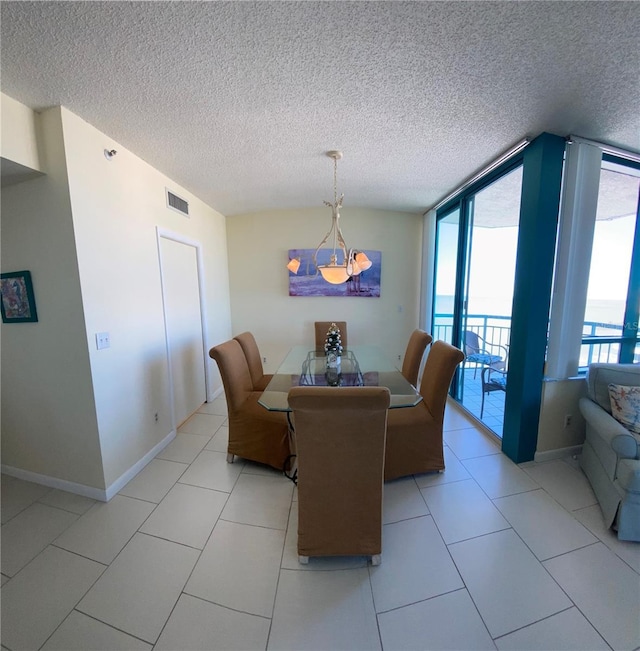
{"points": [[177, 203]]}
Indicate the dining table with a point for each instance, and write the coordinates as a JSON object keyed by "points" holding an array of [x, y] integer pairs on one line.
{"points": [[359, 365]]}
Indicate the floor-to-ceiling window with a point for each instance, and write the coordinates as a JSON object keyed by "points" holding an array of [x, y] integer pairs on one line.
{"points": [[486, 252], [497, 236], [613, 291]]}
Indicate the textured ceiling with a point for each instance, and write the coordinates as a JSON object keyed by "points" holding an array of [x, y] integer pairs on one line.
{"points": [[238, 101]]}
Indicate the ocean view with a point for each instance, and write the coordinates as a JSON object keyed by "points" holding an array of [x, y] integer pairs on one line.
{"points": [[602, 311], [491, 318]]}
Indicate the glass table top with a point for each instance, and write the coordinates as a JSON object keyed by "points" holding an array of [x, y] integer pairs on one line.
{"points": [[359, 366]]}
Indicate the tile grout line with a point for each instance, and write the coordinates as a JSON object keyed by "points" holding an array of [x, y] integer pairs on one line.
{"points": [[80, 599], [275, 594]]}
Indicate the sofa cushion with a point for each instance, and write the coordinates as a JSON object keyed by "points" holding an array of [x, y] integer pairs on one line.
{"points": [[600, 375], [625, 406]]}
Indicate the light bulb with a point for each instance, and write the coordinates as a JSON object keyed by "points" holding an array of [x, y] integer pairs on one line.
{"points": [[334, 274], [363, 261]]}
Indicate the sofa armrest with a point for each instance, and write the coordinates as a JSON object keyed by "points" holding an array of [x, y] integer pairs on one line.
{"points": [[625, 446], [621, 441], [629, 475]]}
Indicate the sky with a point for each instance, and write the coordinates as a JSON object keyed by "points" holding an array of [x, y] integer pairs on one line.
{"points": [[492, 266]]}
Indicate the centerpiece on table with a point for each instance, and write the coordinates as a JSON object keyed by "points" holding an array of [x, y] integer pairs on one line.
{"points": [[333, 354]]}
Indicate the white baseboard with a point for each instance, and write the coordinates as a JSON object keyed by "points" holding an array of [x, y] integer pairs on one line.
{"points": [[100, 494], [53, 482], [127, 476], [560, 453], [218, 392]]}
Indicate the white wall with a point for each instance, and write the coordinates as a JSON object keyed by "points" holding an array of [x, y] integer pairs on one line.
{"points": [[117, 205], [258, 244], [87, 232], [19, 140], [49, 424], [560, 399]]}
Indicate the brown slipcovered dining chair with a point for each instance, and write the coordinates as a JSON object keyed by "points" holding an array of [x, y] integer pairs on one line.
{"points": [[418, 342], [322, 327], [414, 434], [340, 438], [255, 433], [252, 354]]}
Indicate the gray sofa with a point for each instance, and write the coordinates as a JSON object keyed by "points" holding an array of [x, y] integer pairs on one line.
{"points": [[611, 453]]}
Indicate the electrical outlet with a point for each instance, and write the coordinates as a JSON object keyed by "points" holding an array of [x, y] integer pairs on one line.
{"points": [[102, 340], [567, 421], [155, 416], [264, 360]]}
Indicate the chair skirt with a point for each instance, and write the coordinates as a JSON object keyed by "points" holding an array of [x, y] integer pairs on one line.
{"points": [[259, 435], [414, 442]]}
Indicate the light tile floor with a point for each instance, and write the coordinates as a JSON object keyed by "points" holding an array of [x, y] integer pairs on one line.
{"points": [[198, 554]]}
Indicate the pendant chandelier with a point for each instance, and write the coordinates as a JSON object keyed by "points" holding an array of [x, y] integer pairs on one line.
{"points": [[343, 262]]}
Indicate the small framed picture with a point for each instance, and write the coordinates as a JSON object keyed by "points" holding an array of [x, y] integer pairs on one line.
{"points": [[18, 303]]}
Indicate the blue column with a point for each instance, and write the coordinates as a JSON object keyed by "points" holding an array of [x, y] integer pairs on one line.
{"points": [[541, 181]]}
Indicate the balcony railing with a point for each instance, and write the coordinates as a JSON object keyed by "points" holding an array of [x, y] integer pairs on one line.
{"points": [[600, 341], [493, 329]]}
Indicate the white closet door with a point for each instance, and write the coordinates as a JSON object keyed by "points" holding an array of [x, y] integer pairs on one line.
{"points": [[183, 319]]}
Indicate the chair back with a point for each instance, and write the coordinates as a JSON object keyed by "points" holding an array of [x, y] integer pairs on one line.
{"points": [[442, 360], [234, 371], [322, 327], [601, 374], [418, 343], [340, 440], [471, 342], [252, 354]]}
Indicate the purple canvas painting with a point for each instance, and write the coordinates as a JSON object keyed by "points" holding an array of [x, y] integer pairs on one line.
{"points": [[309, 282]]}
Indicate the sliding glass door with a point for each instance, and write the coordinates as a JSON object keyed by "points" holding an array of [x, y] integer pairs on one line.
{"points": [[506, 223], [490, 254]]}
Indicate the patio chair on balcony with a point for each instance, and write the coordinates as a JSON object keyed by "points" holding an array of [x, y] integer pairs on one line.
{"points": [[493, 379], [483, 353]]}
